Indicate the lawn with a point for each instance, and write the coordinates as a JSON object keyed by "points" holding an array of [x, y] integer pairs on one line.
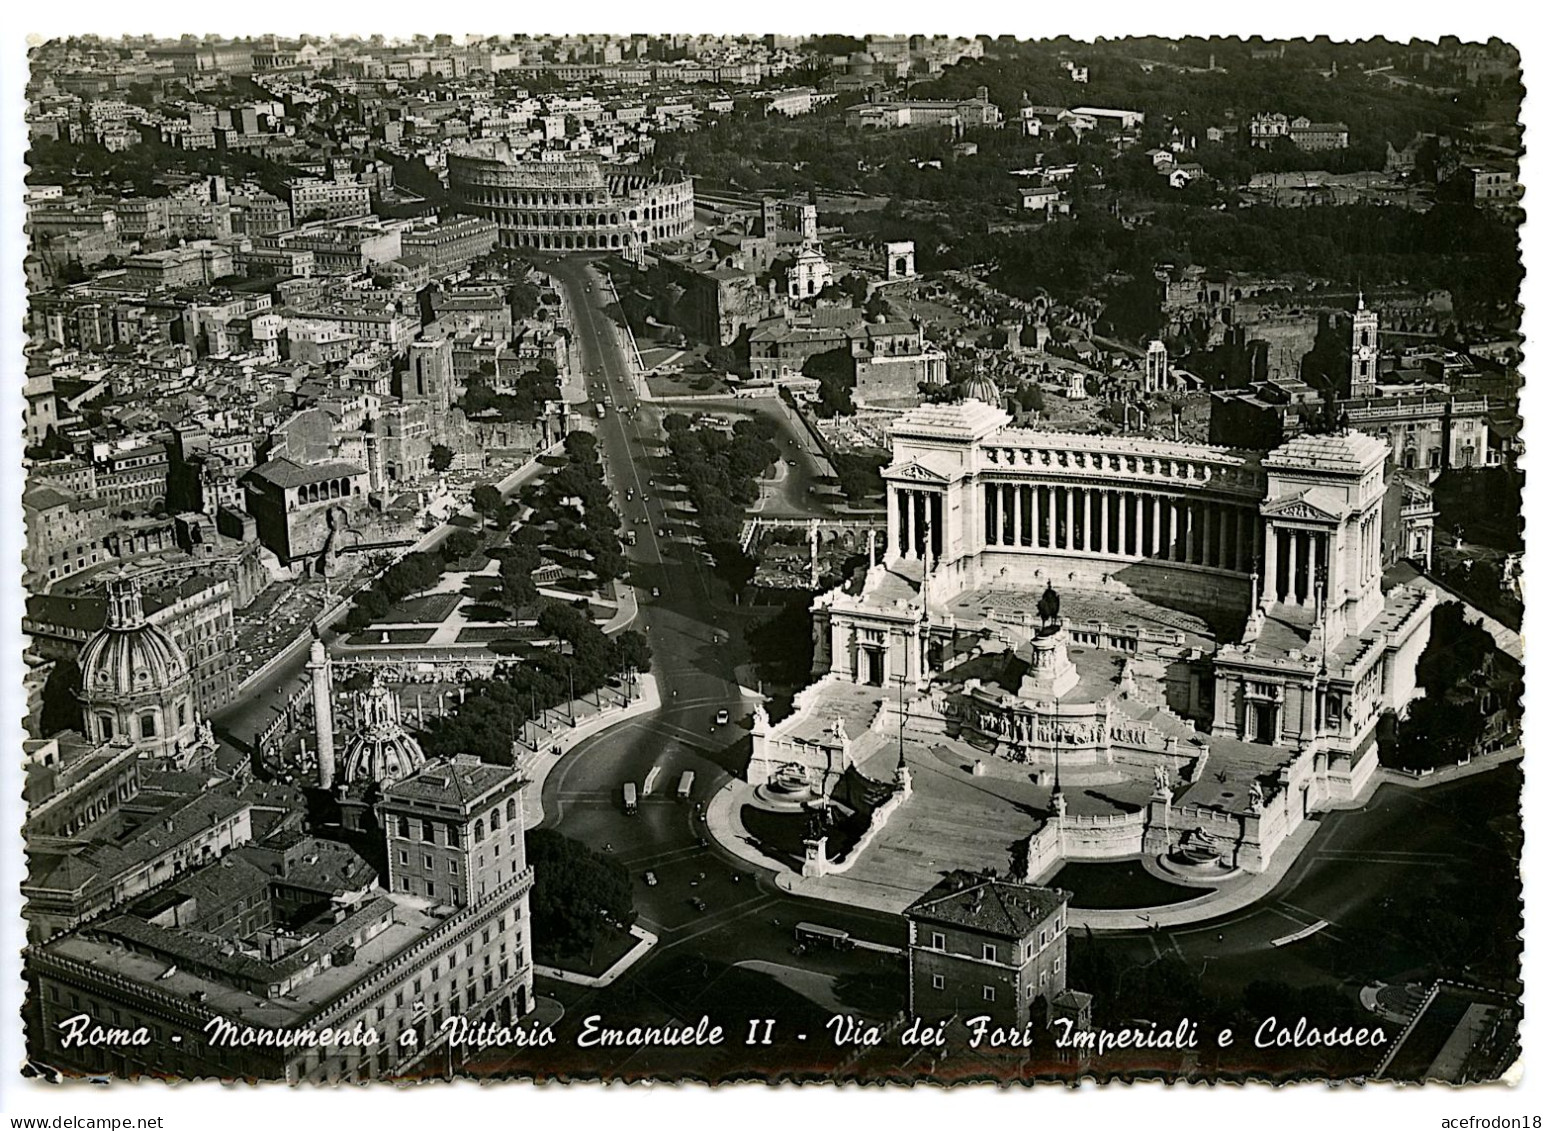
{"points": [[1118, 885], [432, 609], [485, 634], [395, 636]]}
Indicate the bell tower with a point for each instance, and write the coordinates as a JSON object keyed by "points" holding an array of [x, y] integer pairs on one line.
{"points": [[1365, 351]]}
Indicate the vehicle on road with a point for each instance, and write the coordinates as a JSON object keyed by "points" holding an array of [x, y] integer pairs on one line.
{"points": [[656, 592], [630, 798], [722, 717], [662, 532], [686, 783], [630, 537], [815, 934], [602, 412], [651, 878], [698, 904]]}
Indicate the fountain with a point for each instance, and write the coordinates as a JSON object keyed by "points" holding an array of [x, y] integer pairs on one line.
{"points": [[788, 791]]}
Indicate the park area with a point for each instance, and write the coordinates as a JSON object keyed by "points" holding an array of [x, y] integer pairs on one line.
{"points": [[484, 587]]}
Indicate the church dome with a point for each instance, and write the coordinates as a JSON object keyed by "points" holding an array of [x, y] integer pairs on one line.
{"points": [[983, 388], [130, 657], [382, 751]]}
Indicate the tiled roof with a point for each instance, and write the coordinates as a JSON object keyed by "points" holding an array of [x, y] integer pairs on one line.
{"points": [[283, 472], [993, 907]]}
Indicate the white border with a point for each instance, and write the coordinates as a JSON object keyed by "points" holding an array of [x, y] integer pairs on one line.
{"points": [[755, 1106]]}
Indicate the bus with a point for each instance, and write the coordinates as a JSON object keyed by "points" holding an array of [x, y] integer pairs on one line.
{"points": [[601, 411], [630, 798], [812, 934], [686, 783]]}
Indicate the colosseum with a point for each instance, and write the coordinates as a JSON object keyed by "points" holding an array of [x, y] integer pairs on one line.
{"points": [[571, 205]]}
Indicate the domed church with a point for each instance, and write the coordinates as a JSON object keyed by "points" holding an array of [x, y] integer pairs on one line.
{"points": [[136, 686], [379, 754]]}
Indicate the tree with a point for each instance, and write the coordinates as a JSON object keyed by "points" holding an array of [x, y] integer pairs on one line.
{"points": [[632, 652], [459, 544], [487, 501], [61, 705], [836, 372], [441, 457], [576, 892]]}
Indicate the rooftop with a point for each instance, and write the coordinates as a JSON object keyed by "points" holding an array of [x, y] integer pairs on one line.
{"points": [[993, 907]]}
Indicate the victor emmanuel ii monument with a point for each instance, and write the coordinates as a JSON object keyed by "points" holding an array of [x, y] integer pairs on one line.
{"points": [[1200, 633]]}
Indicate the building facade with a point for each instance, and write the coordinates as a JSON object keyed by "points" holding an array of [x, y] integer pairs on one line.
{"points": [[579, 205]]}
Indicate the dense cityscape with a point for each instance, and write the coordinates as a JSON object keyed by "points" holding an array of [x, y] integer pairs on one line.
{"points": [[668, 556]]}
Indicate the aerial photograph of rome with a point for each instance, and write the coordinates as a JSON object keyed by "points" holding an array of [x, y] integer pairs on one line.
{"points": [[861, 558]]}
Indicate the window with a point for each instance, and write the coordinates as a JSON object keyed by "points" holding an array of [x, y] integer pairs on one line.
{"points": [[452, 836], [404, 827], [988, 993], [989, 952], [430, 864], [147, 726], [937, 940], [452, 866], [937, 981], [404, 858], [428, 832]]}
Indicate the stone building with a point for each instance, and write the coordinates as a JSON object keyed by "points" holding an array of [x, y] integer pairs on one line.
{"points": [[571, 205], [304, 511], [987, 947], [1224, 609], [230, 917]]}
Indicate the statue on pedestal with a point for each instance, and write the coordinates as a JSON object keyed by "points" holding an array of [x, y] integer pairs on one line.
{"points": [[1050, 607], [1257, 800], [1160, 779]]}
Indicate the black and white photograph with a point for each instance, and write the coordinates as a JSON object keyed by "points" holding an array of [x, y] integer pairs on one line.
{"points": [[910, 559]]}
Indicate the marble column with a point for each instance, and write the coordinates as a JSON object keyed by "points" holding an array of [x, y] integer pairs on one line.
{"points": [[1139, 548], [909, 498], [1224, 561], [896, 539], [1158, 525], [1050, 518], [1104, 522], [1190, 554], [1067, 541], [1269, 567], [1309, 579], [1018, 516], [1239, 539]]}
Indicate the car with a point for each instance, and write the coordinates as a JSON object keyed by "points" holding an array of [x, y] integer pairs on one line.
{"points": [[651, 878], [698, 904], [722, 717], [662, 532], [656, 592], [792, 463]]}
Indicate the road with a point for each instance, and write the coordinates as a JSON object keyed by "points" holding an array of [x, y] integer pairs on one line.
{"points": [[686, 623]]}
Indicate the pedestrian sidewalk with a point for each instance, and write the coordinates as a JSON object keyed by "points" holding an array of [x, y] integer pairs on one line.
{"points": [[541, 762], [645, 941], [724, 824]]}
